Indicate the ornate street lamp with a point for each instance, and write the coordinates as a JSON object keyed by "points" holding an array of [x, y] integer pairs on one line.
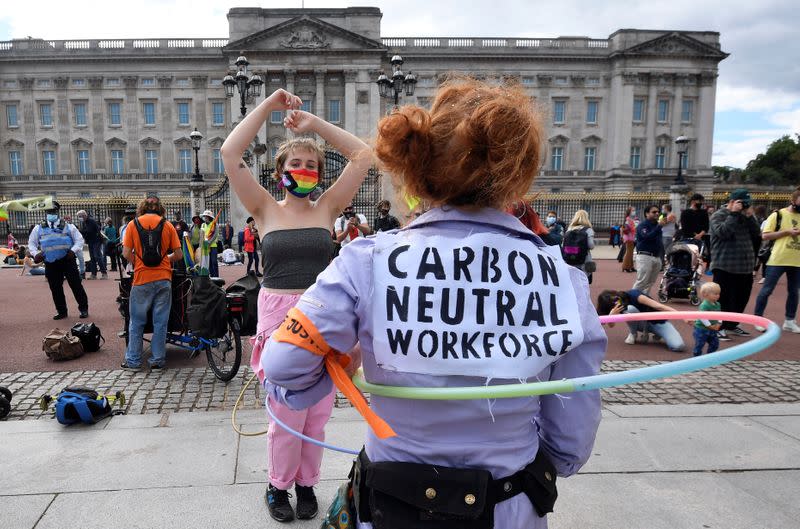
{"points": [[682, 144], [392, 87], [197, 138], [248, 85]]}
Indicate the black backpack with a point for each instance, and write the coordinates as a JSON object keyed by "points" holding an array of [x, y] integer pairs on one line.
{"points": [[89, 334], [152, 253], [575, 247]]}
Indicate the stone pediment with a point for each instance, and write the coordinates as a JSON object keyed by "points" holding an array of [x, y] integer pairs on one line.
{"points": [[116, 141], [216, 141], [592, 139], [674, 44], [304, 33], [13, 143], [559, 139]]}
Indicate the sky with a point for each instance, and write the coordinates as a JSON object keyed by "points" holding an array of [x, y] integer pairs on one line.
{"points": [[758, 89]]}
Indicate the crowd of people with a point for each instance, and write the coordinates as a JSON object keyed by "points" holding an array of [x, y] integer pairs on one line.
{"points": [[413, 304]]}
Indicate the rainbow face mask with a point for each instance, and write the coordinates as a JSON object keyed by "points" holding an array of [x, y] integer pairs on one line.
{"points": [[300, 182]]}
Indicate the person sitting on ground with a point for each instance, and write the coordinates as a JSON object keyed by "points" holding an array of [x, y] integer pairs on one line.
{"points": [[705, 331], [633, 301], [29, 266]]}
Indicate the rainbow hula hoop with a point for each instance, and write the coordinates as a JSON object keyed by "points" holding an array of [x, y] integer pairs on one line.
{"points": [[607, 380], [550, 387]]}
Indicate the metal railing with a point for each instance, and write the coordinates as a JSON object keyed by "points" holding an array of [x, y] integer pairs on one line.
{"points": [[108, 44], [494, 42]]}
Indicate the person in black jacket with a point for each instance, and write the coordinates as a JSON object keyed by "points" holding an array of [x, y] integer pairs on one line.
{"points": [[694, 223], [93, 235], [384, 221]]}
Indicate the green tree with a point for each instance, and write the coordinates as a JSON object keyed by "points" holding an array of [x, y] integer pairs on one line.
{"points": [[779, 165]]}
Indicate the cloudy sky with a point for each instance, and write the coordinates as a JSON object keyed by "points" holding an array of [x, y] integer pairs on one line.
{"points": [[758, 91]]}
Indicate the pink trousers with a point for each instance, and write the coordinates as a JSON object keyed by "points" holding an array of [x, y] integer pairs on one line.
{"points": [[291, 460]]}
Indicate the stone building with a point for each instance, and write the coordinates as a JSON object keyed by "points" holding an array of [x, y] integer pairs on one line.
{"points": [[91, 118]]}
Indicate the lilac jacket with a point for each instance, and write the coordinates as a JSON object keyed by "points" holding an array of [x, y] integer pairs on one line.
{"points": [[501, 435]]}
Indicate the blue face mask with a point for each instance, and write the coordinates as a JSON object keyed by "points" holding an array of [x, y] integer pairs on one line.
{"points": [[550, 221], [52, 218]]}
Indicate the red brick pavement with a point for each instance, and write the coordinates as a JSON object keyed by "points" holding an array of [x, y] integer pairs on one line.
{"points": [[27, 308]]}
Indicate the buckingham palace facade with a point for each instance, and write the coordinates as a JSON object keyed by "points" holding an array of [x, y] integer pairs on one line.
{"points": [[87, 118]]}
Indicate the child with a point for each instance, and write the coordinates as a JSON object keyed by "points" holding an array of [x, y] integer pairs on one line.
{"points": [[705, 331]]}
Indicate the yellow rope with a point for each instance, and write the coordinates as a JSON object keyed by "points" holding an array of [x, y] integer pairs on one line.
{"points": [[236, 406]]}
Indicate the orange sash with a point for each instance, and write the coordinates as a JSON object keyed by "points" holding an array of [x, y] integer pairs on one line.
{"points": [[298, 330]]}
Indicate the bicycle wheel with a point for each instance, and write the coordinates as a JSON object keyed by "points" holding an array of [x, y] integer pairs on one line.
{"points": [[225, 357]]}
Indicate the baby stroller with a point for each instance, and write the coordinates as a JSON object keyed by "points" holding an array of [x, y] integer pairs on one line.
{"points": [[682, 278]]}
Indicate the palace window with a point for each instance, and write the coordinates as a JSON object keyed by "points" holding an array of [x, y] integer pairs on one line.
{"points": [[276, 117], [638, 110], [117, 161], [185, 161], [84, 165], [183, 113], [663, 110], [114, 117], [12, 119], [557, 159], [334, 115], [218, 114], [589, 155], [79, 109], [151, 161], [559, 111], [46, 114], [687, 111], [49, 162], [149, 110], [661, 154], [591, 112], [217, 159], [636, 157], [15, 162]]}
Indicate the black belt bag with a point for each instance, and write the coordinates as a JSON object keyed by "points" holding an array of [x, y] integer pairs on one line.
{"points": [[395, 495]]}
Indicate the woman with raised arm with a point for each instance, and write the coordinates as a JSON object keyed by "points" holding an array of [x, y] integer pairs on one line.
{"points": [[296, 246], [465, 295]]}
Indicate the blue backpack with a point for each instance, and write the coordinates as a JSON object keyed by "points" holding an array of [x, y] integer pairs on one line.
{"points": [[81, 405]]}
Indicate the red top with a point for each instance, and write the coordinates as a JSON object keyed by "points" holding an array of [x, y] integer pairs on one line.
{"points": [[249, 240]]}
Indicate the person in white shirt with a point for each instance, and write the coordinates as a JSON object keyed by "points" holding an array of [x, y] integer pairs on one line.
{"points": [[350, 225]]}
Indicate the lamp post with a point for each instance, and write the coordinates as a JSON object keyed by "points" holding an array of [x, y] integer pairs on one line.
{"points": [[392, 87], [248, 85], [682, 144], [197, 138]]}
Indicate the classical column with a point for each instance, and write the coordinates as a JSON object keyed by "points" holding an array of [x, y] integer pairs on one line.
{"points": [[28, 104], [375, 103], [63, 126], [98, 124], [165, 124], [134, 153], [319, 75], [650, 116], [705, 119], [675, 119], [289, 74], [350, 101]]}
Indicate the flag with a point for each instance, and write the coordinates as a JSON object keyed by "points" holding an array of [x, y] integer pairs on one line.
{"points": [[205, 247], [188, 253], [26, 204]]}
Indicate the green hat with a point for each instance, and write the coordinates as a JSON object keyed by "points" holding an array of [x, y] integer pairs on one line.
{"points": [[740, 194]]}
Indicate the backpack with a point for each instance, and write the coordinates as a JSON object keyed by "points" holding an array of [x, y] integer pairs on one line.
{"points": [[59, 345], [89, 335], [152, 253], [249, 287], [207, 314], [575, 247], [81, 405]]}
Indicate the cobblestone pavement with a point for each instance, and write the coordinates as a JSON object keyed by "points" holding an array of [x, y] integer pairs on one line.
{"points": [[196, 389]]}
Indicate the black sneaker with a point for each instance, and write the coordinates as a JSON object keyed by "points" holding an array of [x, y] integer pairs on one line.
{"points": [[723, 336], [738, 331], [278, 504], [84, 314], [127, 367], [60, 316], [156, 367], [306, 502]]}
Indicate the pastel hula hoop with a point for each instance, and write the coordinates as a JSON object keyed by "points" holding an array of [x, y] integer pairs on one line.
{"points": [[607, 380], [550, 387]]}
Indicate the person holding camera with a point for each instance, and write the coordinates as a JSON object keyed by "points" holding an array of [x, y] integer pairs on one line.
{"points": [[56, 242], [350, 226], [735, 238]]}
